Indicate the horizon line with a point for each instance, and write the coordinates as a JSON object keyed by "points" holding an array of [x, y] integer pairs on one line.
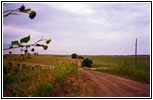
{"points": [[95, 54]]}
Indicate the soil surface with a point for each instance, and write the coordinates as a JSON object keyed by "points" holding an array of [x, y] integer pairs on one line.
{"points": [[106, 85]]}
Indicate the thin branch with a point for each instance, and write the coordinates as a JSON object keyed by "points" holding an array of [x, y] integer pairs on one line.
{"points": [[10, 11], [39, 41], [10, 48]]}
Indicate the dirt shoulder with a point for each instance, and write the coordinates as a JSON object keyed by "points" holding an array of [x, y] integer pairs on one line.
{"points": [[106, 85]]}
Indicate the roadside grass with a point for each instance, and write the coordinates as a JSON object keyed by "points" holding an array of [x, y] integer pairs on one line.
{"points": [[111, 60], [32, 78], [123, 66], [138, 73]]}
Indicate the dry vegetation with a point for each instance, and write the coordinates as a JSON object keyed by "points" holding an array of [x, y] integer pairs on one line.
{"points": [[39, 76], [58, 75]]}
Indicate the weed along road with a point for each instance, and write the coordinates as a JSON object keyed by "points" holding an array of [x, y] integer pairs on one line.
{"points": [[106, 85]]}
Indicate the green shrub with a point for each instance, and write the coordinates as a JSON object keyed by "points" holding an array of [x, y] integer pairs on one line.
{"points": [[87, 62], [74, 56], [80, 57]]}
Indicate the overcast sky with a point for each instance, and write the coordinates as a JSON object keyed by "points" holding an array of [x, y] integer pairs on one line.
{"points": [[82, 28]]}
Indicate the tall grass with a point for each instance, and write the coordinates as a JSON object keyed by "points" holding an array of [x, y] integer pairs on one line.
{"points": [[34, 81], [139, 73]]}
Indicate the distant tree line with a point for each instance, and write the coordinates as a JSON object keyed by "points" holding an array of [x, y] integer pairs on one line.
{"points": [[85, 63]]}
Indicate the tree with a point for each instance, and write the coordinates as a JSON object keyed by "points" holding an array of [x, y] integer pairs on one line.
{"points": [[80, 57], [87, 62], [74, 56]]}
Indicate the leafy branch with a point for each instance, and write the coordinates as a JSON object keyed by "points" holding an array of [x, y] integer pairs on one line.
{"points": [[22, 9], [17, 44]]}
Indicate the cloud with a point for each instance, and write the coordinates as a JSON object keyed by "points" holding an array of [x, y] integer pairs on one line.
{"points": [[12, 33], [76, 8], [85, 28]]}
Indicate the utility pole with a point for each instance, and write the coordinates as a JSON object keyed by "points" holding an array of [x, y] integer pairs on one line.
{"points": [[136, 52]]}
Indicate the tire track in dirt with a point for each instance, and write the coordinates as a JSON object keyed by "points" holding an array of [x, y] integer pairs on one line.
{"points": [[106, 85]]}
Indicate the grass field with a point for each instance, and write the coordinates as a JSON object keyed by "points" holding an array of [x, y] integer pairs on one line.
{"points": [[108, 60], [41, 75], [123, 66], [52, 75]]}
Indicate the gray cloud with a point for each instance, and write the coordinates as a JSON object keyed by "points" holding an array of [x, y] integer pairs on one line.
{"points": [[84, 28]]}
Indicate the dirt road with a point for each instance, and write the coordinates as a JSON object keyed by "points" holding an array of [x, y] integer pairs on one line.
{"points": [[105, 85]]}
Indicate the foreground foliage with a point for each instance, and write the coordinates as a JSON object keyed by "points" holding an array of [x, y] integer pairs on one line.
{"points": [[36, 80]]}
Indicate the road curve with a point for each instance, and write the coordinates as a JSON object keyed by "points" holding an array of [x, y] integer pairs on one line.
{"points": [[106, 85]]}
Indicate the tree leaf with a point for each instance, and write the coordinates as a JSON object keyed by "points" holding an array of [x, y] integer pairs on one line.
{"points": [[39, 45], [22, 8], [27, 10], [32, 49], [15, 43], [25, 51], [25, 39], [10, 52], [48, 41], [32, 14], [45, 47], [14, 14]]}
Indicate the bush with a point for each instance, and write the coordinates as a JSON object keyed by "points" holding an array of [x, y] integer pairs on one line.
{"points": [[74, 56], [87, 62], [80, 57]]}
